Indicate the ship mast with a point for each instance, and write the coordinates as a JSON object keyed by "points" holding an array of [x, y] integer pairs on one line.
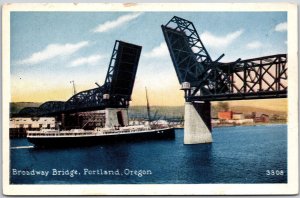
{"points": [[148, 106], [74, 90]]}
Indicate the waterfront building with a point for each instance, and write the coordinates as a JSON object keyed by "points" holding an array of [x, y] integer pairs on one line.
{"points": [[262, 118], [19, 125], [225, 115], [32, 122], [238, 116]]}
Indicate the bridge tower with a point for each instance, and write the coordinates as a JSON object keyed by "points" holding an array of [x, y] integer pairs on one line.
{"points": [[204, 80], [119, 82]]}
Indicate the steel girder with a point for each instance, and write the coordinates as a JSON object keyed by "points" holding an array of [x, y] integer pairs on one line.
{"points": [[121, 73], [188, 53], [258, 78], [29, 111], [86, 100], [118, 86], [46, 109]]}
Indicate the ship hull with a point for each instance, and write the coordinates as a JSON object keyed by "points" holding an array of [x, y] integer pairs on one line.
{"points": [[104, 139]]}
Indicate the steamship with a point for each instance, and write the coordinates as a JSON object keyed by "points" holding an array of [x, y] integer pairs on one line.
{"points": [[76, 137]]}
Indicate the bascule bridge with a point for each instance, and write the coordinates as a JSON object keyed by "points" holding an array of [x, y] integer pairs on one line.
{"points": [[113, 96], [204, 80]]}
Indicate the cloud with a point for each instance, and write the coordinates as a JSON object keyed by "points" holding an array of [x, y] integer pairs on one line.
{"points": [[159, 51], [219, 41], [254, 45], [281, 27], [108, 25], [90, 60], [54, 50]]}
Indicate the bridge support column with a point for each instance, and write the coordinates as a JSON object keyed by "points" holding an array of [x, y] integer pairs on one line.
{"points": [[116, 117], [197, 123]]}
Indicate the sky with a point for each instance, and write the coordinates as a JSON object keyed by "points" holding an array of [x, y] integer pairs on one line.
{"points": [[51, 49]]}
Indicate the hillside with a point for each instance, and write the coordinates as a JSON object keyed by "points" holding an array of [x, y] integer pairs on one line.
{"points": [[157, 112], [15, 107], [164, 112], [178, 111], [248, 110]]}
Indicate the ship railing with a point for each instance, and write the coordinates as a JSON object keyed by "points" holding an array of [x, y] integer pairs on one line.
{"points": [[120, 131], [58, 133]]}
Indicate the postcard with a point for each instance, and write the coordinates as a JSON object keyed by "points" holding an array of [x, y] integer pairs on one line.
{"points": [[150, 99]]}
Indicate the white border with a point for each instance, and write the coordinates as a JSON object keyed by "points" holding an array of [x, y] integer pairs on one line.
{"points": [[161, 189]]}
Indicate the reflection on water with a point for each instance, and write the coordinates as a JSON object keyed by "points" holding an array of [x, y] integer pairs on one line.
{"points": [[237, 155], [22, 147]]}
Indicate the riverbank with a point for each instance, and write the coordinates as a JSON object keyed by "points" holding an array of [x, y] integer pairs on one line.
{"points": [[247, 124]]}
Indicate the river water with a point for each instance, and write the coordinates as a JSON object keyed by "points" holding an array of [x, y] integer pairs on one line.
{"points": [[242, 154]]}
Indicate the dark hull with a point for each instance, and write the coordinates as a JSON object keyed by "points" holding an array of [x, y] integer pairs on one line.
{"points": [[94, 140]]}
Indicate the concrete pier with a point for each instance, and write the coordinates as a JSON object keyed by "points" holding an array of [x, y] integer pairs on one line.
{"points": [[116, 117], [197, 123]]}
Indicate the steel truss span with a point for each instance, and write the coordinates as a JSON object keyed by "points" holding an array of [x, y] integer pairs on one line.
{"points": [[115, 92], [211, 80]]}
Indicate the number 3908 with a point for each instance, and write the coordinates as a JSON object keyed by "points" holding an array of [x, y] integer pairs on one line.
{"points": [[274, 172]]}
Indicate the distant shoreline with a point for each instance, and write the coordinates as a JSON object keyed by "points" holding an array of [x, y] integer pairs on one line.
{"points": [[250, 124]]}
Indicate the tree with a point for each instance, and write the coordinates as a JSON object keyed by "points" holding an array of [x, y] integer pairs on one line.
{"points": [[223, 106]]}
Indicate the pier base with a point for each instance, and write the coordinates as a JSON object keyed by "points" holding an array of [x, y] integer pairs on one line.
{"points": [[116, 117], [197, 123]]}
